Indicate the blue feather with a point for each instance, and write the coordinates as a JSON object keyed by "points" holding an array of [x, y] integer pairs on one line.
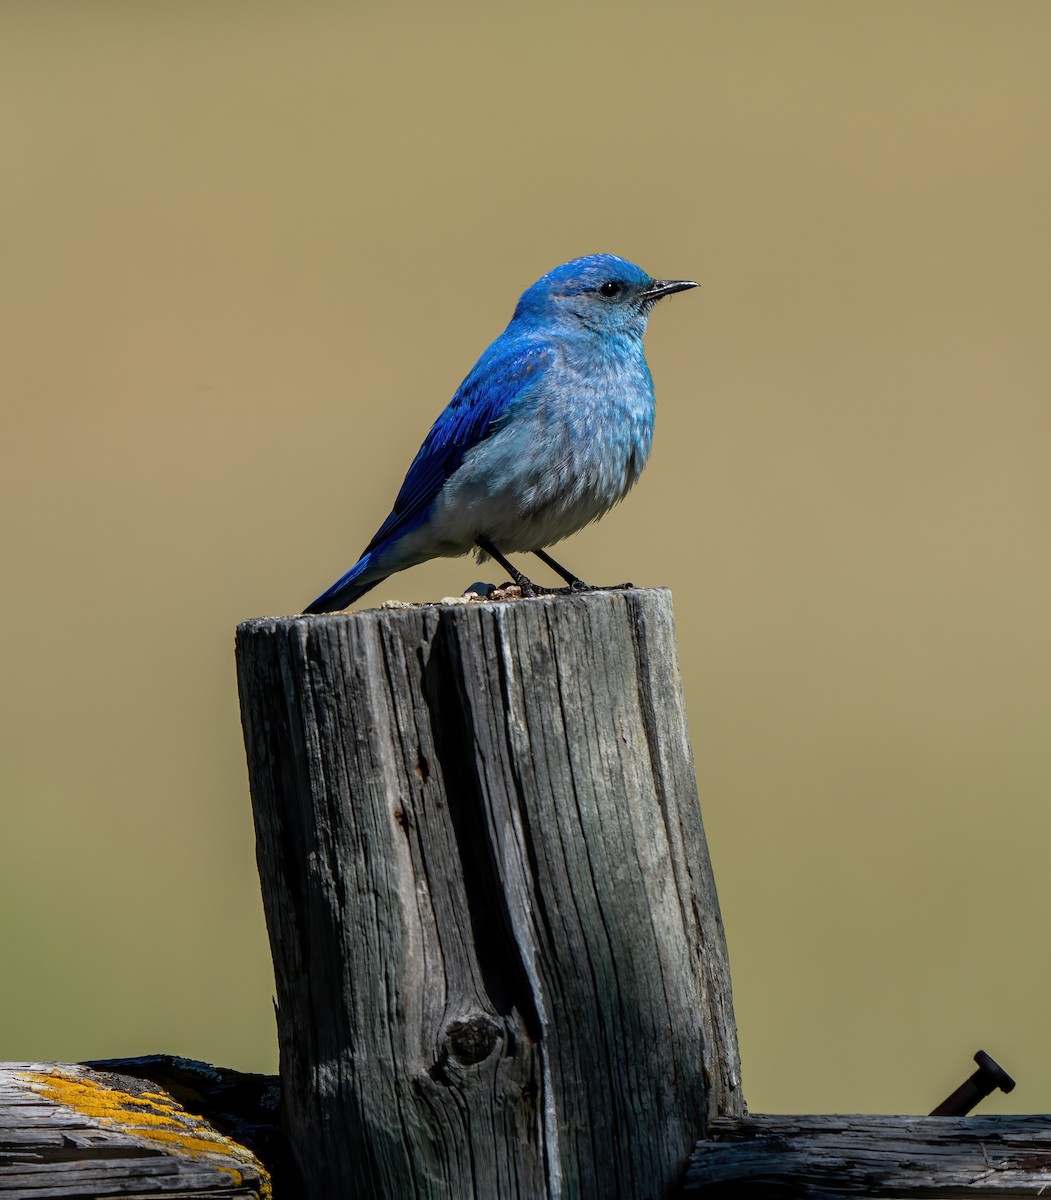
{"points": [[504, 373], [507, 371]]}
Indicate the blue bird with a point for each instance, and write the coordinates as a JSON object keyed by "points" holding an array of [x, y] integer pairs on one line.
{"points": [[548, 431]]}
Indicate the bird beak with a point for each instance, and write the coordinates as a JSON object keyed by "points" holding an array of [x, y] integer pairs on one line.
{"points": [[664, 287]]}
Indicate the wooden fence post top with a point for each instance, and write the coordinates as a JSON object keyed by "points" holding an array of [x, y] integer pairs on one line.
{"points": [[394, 610]]}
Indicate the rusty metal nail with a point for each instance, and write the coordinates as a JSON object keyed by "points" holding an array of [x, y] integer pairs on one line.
{"points": [[989, 1076]]}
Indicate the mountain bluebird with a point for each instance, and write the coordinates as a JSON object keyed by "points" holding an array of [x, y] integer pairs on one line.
{"points": [[550, 429]]}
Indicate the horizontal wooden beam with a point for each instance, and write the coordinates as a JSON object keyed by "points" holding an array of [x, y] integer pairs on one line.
{"points": [[750, 1158], [69, 1131]]}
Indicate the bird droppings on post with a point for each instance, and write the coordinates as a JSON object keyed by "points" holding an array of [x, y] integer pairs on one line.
{"points": [[510, 591], [494, 594]]}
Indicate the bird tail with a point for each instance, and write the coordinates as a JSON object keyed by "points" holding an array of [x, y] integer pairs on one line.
{"points": [[348, 588]]}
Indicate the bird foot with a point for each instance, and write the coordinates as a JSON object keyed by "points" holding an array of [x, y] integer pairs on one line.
{"points": [[580, 587], [532, 591]]}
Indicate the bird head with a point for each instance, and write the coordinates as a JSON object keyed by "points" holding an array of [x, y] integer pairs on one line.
{"points": [[599, 292]]}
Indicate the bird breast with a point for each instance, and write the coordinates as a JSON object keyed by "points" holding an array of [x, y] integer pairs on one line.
{"points": [[562, 457]]}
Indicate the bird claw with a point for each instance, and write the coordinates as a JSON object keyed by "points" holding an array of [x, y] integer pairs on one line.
{"points": [[580, 587]]}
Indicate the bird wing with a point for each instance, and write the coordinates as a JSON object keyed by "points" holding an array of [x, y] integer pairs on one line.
{"points": [[506, 372]]}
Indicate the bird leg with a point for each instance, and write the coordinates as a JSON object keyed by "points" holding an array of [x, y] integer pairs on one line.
{"points": [[530, 589], [527, 585], [575, 584]]}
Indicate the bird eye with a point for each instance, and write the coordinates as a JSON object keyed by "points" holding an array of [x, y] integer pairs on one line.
{"points": [[611, 288]]}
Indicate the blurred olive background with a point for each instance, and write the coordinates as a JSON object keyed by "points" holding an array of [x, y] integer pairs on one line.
{"points": [[249, 251]]}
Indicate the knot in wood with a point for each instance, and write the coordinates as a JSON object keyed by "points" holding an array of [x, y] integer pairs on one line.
{"points": [[472, 1039]]}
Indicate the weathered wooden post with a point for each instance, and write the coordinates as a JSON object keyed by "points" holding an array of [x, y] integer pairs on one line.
{"points": [[500, 964]]}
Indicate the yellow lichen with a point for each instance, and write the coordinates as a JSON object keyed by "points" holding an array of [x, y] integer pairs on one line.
{"points": [[151, 1116]]}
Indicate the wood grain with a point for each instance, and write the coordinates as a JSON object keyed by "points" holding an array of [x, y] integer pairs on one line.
{"points": [[500, 964], [823, 1157]]}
